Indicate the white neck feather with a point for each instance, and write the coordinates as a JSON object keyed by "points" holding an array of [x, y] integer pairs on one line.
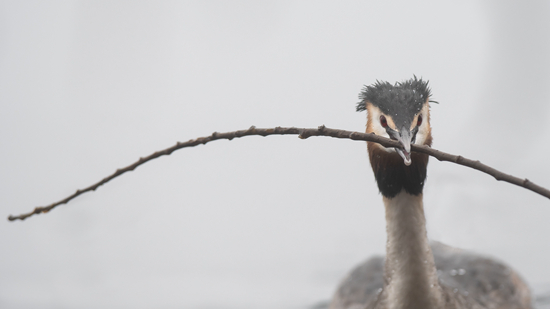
{"points": [[410, 273]]}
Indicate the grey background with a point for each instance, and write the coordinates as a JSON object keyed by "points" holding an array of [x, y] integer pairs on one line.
{"points": [[87, 87]]}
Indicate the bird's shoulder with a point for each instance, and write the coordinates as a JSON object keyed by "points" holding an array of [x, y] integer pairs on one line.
{"points": [[475, 280]]}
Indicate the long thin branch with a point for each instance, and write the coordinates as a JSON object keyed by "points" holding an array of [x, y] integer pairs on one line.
{"points": [[302, 133]]}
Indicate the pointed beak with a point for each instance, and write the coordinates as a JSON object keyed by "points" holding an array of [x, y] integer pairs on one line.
{"points": [[405, 137]]}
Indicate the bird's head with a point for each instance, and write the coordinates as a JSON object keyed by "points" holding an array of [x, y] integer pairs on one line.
{"points": [[399, 112]]}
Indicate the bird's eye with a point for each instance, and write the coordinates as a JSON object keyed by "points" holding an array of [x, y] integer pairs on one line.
{"points": [[383, 121], [419, 121]]}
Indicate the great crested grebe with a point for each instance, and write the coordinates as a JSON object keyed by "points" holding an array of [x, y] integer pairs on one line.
{"points": [[416, 274]]}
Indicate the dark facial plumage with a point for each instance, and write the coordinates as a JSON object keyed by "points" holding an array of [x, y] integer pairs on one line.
{"points": [[401, 103], [392, 176]]}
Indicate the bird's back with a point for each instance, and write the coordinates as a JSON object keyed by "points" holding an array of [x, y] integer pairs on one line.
{"points": [[475, 281]]}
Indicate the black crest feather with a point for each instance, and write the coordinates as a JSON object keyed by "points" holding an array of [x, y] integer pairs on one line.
{"points": [[410, 95]]}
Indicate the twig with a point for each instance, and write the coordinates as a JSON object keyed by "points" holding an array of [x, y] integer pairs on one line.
{"points": [[303, 134]]}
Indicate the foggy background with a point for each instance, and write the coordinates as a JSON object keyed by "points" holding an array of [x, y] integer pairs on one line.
{"points": [[87, 87]]}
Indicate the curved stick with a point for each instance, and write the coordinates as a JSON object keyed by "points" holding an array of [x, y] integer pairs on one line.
{"points": [[303, 134]]}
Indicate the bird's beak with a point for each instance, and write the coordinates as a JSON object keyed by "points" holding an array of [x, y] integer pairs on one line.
{"points": [[405, 137]]}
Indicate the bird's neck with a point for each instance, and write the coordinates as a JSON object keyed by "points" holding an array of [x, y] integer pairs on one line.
{"points": [[410, 273]]}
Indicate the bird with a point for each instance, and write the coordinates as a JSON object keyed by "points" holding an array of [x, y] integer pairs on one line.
{"points": [[417, 273]]}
